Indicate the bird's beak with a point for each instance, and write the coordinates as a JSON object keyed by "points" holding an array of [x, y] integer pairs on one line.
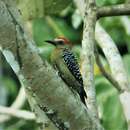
{"points": [[51, 42]]}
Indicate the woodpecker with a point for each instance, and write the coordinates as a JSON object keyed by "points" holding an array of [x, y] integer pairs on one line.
{"points": [[65, 62]]}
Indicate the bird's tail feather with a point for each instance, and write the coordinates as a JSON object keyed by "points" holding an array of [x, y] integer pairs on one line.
{"points": [[83, 96]]}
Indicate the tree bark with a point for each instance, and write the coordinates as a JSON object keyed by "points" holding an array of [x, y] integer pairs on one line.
{"points": [[87, 55]]}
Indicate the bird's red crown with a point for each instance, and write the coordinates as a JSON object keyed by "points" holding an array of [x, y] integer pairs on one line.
{"points": [[65, 40]]}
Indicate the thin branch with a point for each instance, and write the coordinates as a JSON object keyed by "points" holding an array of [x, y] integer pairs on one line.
{"points": [[113, 57], [18, 103], [22, 114], [87, 59], [104, 72], [113, 10], [20, 99]]}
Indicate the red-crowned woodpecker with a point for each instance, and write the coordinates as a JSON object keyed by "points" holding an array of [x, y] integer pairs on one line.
{"points": [[67, 66]]}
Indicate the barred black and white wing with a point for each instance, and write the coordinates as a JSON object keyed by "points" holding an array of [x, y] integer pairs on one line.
{"points": [[72, 65]]}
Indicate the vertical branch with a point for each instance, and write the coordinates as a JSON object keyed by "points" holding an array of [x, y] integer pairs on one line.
{"points": [[87, 58]]}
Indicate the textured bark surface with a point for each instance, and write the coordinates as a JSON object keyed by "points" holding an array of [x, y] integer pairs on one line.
{"points": [[87, 58]]}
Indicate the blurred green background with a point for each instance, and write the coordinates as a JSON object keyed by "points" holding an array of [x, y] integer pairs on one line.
{"points": [[47, 19]]}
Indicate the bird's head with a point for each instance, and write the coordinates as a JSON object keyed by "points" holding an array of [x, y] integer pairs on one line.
{"points": [[60, 41]]}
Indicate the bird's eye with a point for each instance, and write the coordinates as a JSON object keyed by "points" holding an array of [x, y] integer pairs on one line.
{"points": [[60, 42]]}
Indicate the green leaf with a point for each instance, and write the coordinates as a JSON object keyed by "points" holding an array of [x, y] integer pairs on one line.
{"points": [[10, 84], [42, 31], [3, 93], [110, 108]]}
